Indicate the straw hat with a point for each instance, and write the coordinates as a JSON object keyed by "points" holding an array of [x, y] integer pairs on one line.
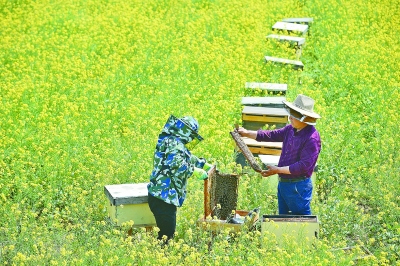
{"points": [[304, 105]]}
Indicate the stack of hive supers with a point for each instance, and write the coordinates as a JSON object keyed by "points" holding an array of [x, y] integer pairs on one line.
{"points": [[259, 112]]}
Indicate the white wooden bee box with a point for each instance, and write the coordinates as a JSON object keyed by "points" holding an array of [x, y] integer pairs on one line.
{"points": [[129, 202]]}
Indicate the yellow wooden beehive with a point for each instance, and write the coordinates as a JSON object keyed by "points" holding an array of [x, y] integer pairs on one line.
{"points": [[129, 202], [254, 118], [302, 229]]}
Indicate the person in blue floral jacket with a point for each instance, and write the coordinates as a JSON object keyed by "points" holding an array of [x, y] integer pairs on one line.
{"points": [[173, 165]]}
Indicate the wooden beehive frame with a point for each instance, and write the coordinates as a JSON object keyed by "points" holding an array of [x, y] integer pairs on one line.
{"points": [[246, 152], [213, 185]]}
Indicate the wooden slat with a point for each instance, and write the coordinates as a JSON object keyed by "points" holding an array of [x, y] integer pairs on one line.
{"points": [[263, 150], [291, 39], [273, 101], [296, 64], [263, 147], [264, 118], [290, 27], [299, 20], [266, 86], [253, 110], [266, 144], [264, 114], [269, 159]]}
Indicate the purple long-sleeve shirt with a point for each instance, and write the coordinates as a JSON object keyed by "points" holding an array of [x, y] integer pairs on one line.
{"points": [[300, 150]]}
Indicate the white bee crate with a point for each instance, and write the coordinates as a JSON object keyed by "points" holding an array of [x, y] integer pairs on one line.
{"points": [[303, 229], [129, 202]]}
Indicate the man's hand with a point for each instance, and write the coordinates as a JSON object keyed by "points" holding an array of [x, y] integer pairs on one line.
{"points": [[242, 131], [246, 133], [272, 170]]}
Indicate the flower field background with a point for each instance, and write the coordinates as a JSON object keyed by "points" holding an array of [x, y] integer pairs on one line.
{"points": [[85, 87]]}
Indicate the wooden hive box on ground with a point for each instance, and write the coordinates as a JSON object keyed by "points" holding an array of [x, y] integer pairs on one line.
{"points": [[129, 202], [220, 200], [254, 118], [300, 228]]}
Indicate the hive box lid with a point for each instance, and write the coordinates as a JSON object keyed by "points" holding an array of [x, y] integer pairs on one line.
{"points": [[253, 142], [263, 100], [266, 86], [291, 218], [298, 20], [269, 159], [121, 194], [264, 111], [290, 26]]}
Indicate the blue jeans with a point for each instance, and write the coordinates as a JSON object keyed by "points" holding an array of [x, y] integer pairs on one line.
{"points": [[294, 198], [165, 215]]}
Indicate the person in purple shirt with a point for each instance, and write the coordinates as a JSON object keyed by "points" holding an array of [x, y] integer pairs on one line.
{"points": [[301, 145]]}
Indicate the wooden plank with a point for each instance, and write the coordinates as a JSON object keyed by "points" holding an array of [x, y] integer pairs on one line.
{"points": [[254, 125], [252, 110], [263, 150], [269, 159], [264, 144], [290, 27], [263, 118], [299, 20], [266, 86], [264, 114], [265, 101], [296, 64], [263, 147], [291, 39]]}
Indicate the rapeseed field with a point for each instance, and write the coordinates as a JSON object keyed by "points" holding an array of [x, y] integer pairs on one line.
{"points": [[85, 87]]}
